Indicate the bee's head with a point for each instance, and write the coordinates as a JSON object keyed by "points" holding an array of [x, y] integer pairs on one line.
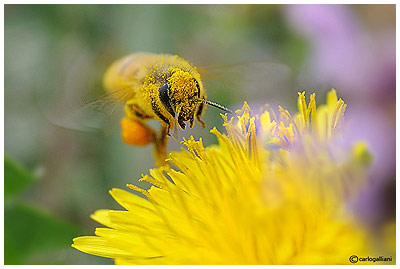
{"points": [[179, 96]]}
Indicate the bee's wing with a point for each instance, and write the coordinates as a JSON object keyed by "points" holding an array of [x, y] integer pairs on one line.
{"points": [[247, 80], [86, 116]]}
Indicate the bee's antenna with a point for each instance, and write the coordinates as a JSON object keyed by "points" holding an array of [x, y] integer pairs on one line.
{"points": [[214, 105]]}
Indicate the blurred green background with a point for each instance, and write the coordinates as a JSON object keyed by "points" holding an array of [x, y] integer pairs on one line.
{"points": [[56, 174]]}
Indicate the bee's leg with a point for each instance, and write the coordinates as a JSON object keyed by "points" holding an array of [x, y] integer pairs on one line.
{"points": [[199, 111], [191, 121], [133, 111], [134, 130], [143, 134], [160, 146]]}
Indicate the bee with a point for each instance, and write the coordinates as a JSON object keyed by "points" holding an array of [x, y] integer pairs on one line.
{"points": [[162, 87]]}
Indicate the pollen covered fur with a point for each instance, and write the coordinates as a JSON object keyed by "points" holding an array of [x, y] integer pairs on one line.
{"points": [[183, 92]]}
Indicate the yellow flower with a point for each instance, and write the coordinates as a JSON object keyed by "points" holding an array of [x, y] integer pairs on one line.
{"points": [[245, 201]]}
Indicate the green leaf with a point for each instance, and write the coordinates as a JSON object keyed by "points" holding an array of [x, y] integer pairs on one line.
{"points": [[16, 178], [28, 230]]}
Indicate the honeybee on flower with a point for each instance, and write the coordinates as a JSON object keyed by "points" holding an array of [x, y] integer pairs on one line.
{"points": [[169, 90], [240, 202]]}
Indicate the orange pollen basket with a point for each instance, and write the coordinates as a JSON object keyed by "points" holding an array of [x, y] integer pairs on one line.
{"points": [[134, 133]]}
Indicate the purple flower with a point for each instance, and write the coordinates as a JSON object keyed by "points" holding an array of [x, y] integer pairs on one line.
{"points": [[343, 54]]}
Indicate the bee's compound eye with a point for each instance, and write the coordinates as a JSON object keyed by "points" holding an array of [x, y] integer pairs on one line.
{"points": [[165, 99], [164, 89], [164, 93]]}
